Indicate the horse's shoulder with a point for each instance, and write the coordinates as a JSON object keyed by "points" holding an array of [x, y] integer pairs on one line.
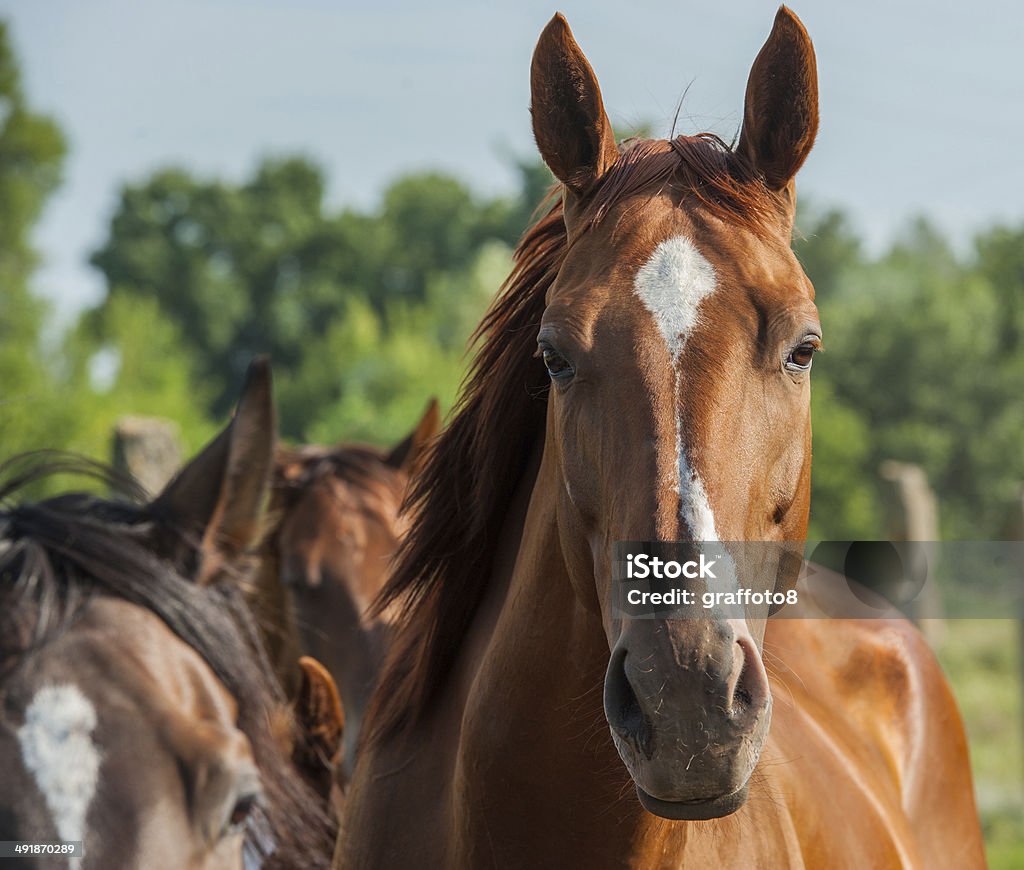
{"points": [[877, 689], [865, 661], [889, 660], [874, 683]]}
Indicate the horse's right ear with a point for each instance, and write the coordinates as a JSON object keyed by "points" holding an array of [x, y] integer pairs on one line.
{"points": [[573, 132], [217, 498]]}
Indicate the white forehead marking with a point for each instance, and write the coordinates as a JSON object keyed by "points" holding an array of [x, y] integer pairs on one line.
{"points": [[57, 748], [672, 284]]}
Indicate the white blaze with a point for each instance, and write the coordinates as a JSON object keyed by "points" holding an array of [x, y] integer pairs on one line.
{"points": [[672, 284], [57, 748]]}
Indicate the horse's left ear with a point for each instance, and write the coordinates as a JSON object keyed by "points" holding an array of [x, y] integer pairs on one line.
{"points": [[407, 453], [217, 498], [780, 114]]}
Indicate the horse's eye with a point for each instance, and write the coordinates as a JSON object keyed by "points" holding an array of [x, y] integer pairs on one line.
{"points": [[557, 365], [243, 808], [801, 357]]}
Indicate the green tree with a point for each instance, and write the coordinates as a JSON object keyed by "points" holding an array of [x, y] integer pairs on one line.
{"points": [[1000, 260], [31, 158], [370, 375], [435, 225], [235, 267], [827, 247], [53, 392], [130, 359], [918, 352], [263, 267]]}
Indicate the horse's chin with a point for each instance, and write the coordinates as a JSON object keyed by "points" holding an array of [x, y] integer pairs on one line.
{"points": [[694, 810]]}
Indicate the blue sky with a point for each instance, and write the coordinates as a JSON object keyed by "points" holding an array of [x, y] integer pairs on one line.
{"points": [[922, 103]]}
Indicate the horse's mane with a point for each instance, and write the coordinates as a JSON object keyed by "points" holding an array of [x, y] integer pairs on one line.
{"points": [[459, 502], [362, 468], [358, 464], [56, 554]]}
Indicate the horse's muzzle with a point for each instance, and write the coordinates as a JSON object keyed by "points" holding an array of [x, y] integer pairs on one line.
{"points": [[688, 705]]}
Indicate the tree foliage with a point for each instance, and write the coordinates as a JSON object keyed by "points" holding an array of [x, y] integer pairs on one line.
{"points": [[265, 267], [48, 395], [366, 314], [31, 157], [922, 365]]}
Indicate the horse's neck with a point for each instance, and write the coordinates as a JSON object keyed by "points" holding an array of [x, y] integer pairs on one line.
{"points": [[514, 755], [537, 771], [353, 652], [351, 646]]}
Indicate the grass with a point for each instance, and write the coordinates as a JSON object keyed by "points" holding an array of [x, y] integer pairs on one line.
{"points": [[982, 659]]}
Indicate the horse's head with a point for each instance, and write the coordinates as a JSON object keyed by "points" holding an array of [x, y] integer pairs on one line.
{"points": [[335, 524], [678, 337], [336, 517], [137, 714]]}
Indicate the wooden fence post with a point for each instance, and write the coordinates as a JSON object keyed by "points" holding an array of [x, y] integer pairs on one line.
{"points": [[912, 514], [147, 448]]}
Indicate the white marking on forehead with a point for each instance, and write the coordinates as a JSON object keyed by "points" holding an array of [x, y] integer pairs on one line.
{"points": [[57, 748], [672, 284]]}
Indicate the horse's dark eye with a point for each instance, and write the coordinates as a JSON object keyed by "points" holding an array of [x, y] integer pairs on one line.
{"points": [[557, 365], [241, 811], [801, 357]]}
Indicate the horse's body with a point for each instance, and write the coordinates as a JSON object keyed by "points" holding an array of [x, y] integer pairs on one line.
{"points": [[334, 526], [864, 766], [137, 713], [677, 330]]}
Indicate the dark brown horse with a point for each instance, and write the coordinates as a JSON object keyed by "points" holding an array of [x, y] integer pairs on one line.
{"points": [[334, 526], [137, 711], [644, 376]]}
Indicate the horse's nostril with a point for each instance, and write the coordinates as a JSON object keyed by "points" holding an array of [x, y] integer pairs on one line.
{"points": [[632, 717], [750, 688], [622, 708], [741, 694]]}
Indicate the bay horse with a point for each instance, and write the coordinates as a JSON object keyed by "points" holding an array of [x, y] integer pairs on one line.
{"points": [[644, 376], [137, 711], [333, 527]]}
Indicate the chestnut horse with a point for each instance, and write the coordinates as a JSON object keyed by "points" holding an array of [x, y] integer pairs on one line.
{"points": [[644, 376], [137, 711], [334, 526]]}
